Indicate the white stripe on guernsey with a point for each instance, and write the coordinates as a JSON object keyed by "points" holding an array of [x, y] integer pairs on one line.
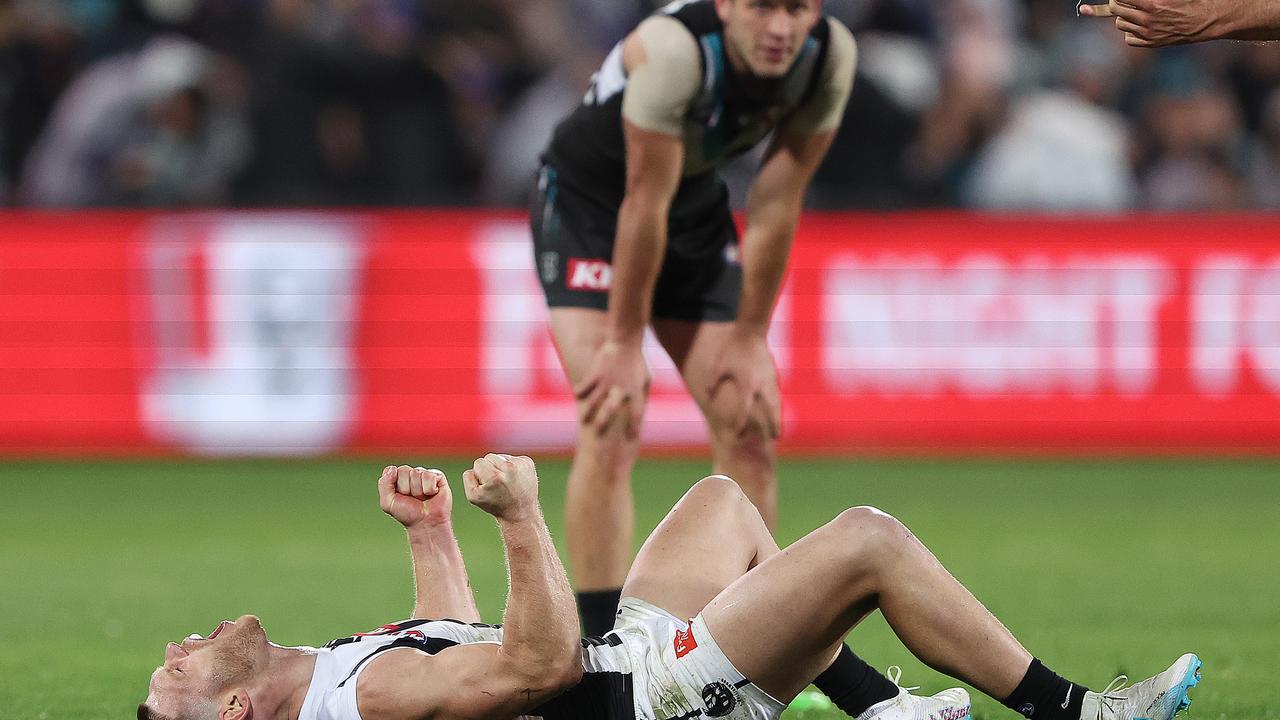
{"points": [[603, 658], [674, 7], [611, 78]]}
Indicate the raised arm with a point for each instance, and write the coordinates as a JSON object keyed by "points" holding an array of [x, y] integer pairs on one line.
{"points": [[421, 501], [540, 655], [540, 638]]}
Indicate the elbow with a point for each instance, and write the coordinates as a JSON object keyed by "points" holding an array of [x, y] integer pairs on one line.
{"points": [[563, 672], [645, 205], [548, 677], [570, 674]]}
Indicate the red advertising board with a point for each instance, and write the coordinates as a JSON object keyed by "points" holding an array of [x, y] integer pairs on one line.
{"points": [[302, 333]]}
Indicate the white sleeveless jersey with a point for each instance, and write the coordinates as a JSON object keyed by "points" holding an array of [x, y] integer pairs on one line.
{"points": [[604, 693], [652, 666]]}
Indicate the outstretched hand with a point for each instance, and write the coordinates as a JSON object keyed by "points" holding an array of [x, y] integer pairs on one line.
{"points": [[505, 486], [745, 386], [415, 496], [616, 389], [1159, 23]]}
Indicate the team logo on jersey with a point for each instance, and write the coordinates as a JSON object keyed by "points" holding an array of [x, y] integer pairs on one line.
{"points": [[592, 275], [549, 266], [685, 642], [719, 697]]}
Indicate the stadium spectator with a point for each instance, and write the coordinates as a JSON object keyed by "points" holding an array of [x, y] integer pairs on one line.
{"points": [[347, 111], [443, 102], [1192, 141], [1060, 148], [152, 127], [753, 641], [1264, 169], [39, 43]]}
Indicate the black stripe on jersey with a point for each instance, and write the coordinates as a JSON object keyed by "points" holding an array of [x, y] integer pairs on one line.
{"points": [[430, 646], [610, 639], [399, 626], [600, 696], [822, 33]]}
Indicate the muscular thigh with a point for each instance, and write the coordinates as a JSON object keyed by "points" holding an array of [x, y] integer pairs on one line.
{"points": [[779, 624], [695, 349], [708, 540], [577, 332]]}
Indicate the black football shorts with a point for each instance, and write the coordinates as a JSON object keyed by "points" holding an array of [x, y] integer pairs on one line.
{"points": [[573, 235]]}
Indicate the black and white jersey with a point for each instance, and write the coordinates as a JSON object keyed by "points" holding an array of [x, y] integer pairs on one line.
{"points": [[605, 692], [651, 666], [723, 116]]}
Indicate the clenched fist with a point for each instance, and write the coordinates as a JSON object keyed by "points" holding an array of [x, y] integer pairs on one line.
{"points": [[415, 496], [505, 486]]}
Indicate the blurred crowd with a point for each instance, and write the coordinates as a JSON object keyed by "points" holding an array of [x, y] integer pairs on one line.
{"points": [[992, 104]]}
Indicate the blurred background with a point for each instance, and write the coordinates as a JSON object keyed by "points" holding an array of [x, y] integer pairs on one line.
{"points": [[251, 251], [991, 104]]}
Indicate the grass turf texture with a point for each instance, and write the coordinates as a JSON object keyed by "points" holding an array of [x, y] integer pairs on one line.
{"points": [[1100, 567]]}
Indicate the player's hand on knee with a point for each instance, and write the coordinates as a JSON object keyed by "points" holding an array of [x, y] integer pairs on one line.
{"points": [[615, 389], [415, 496], [744, 389], [505, 486]]}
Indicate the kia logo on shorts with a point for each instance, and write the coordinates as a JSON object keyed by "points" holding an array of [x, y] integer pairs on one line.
{"points": [[594, 275]]}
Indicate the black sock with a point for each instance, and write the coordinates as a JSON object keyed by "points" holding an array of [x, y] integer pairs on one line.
{"points": [[597, 610], [1046, 695], [853, 685]]}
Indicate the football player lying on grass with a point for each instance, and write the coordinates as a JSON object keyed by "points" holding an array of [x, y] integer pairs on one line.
{"points": [[765, 623]]}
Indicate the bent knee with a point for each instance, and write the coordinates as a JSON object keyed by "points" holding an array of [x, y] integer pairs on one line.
{"points": [[723, 414], [871, 525], [717, 488]]}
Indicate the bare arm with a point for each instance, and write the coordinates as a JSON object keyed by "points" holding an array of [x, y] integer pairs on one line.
{"points": [[653, 172], [661, 62], [773, 208], [440, 583], [1159, 23], [540, 654], [422, 502]]}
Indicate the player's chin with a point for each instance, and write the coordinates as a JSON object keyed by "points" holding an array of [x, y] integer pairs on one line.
{"points": [[248, 625], [771, 69]]}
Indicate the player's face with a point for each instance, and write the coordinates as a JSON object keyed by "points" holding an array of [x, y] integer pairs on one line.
{"points": [[198, 669], [765, 36]]}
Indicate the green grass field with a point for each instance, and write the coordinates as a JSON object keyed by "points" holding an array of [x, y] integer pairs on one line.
{"points": [[1100, 567]]}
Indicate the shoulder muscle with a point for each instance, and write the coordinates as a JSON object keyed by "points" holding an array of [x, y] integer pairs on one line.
{"points": [[664, 73]]}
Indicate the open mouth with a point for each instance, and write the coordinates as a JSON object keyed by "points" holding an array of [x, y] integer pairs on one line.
{"points": [[218, 630]]}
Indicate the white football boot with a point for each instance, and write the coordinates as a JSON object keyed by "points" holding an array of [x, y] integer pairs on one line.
{"points": [[950, 704], [1156, 698]]}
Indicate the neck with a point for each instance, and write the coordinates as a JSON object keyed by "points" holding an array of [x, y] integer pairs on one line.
{"points": [[283, 686]]}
